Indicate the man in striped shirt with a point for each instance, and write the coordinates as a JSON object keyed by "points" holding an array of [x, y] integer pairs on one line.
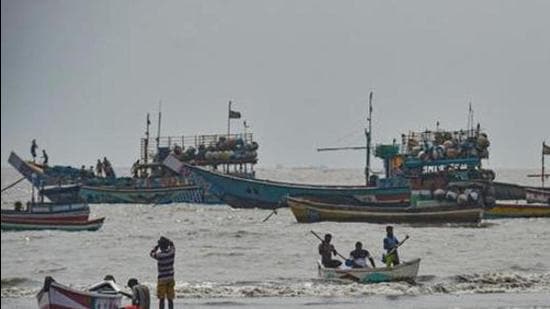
{"points": [[165, 252]]}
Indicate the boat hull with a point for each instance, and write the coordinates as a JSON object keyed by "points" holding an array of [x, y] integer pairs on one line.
{"points": [[306, 211], [537, 195], [108, 195], [15, 225], [406, 271], [254, 193], [48, 213], [57, 296], [501, 211]]}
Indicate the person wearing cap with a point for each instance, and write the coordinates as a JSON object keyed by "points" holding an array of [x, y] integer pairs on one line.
{"points": [[326, 250], [359, 256], [390, 242], [165, 252]]}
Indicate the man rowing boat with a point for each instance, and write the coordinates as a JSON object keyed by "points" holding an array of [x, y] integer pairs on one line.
{"points": [[390, 245], [326, 250], [359, 257]]}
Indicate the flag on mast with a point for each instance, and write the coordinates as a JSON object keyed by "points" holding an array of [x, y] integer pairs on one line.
{"points": [[545, 149]]}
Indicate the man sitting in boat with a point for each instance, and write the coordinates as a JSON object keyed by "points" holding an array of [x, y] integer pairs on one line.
{"points": [[326, 249], [390, 242], [359, 257]]}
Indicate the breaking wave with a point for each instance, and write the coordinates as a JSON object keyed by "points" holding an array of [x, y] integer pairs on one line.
{"points": [[492, 282]]}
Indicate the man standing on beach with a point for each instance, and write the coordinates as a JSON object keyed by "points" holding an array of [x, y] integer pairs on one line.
{"points": [[165, 252]]}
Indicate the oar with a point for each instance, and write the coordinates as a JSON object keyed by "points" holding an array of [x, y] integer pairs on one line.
{"points": [[13, 184], [398, 245], [274, 212], [319, 237]]}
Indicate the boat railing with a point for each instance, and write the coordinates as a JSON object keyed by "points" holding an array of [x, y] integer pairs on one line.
{"points": [[150, 147]]}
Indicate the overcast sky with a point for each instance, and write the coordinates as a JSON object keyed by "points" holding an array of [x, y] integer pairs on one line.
{"points": [[80, 76]]}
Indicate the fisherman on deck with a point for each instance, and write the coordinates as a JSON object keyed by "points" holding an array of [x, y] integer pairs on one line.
{"points": [[326, 250], [390, 242], [164, 252], [44, 157], [34, 146], [135, 169], [359, 256], [99, 168]]}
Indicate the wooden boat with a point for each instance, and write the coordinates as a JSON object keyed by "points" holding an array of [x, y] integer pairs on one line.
{"points": [[517, 210], [406, 271], [255, 193], [47, 213], [54, 295], [307, 211], [19, 225], [109, 194]]}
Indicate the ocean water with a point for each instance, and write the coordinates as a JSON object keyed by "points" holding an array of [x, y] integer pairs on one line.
{"points": [[229, 258]]}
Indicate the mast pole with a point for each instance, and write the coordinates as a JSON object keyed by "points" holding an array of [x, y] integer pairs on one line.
{"points": [[146, 148], [158, 130], [228, 119], [369, 137], [542, 168]]}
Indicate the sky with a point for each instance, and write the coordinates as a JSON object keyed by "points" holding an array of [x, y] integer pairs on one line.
{"points": [[80, 76]]}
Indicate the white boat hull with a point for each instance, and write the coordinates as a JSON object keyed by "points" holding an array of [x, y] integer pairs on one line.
{"points": [[406, 271]]}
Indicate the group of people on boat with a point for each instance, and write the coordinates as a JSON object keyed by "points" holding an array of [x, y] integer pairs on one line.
{"points": [[34, 147], [358, 257], [104, 169]]}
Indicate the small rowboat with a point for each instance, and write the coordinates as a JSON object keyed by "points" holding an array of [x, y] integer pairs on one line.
{"points": [[18, 225], [406, 271], [54, 295], [307, 211]]}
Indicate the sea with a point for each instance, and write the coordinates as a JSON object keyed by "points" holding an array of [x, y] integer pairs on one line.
{"points": [[228, 258]]}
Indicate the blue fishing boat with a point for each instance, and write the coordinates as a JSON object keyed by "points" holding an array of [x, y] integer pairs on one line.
{"points": [[424, 162]]}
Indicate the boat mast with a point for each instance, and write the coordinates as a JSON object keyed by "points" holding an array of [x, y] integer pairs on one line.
{"points": [[542, 168], [368, 135], [158, 130], [228, 119], [146, 143]]}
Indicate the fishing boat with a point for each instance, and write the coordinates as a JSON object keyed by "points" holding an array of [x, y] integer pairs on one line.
{"points": [[406, 271], [306, 211], [45, 212], [72, 226], [418, 167], [241, 192], [151, 182], [518, 209], [535, 203], [54, 295]]}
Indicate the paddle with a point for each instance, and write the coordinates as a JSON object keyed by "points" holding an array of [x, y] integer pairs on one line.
{"points": [[394, 249], [319, 237], [398, 245], [274, 212]]}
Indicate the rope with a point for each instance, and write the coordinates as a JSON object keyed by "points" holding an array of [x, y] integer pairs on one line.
{"points": [[13, 184]]}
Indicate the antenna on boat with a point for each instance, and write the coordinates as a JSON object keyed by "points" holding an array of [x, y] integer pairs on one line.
{"points": [[470, 124], [158, 130], [368, 135]]}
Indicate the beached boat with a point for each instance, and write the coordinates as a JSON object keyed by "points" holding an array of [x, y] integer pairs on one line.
{"points": [[54, 295], [406, 271], [306, 211]]}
